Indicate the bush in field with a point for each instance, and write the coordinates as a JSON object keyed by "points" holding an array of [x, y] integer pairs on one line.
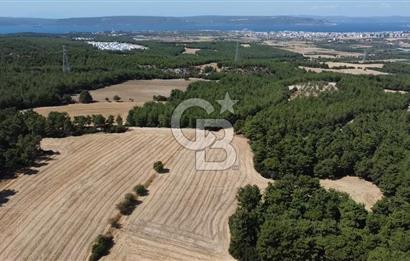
{"points": [[85, 97], [160, 98], [101, 247], [116, 98], [127, 206], [141, 190], [159, 167]]}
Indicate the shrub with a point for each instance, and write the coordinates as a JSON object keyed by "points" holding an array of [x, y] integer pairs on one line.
{"points": [[116, 98], [141, 190], [127, 206], [101, 247], [159, 167], [85, 97], [160, 98]]}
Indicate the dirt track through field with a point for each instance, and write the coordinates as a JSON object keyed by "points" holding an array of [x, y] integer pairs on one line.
{"points": [[57, 213]]}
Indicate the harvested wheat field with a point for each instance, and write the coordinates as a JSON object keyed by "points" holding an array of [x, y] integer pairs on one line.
{"points": [[191, 50], [132, 93], [140, 91], [359, 190], [310, 50], [104, 108], [334, 65], [355, 71], [57, 213]]}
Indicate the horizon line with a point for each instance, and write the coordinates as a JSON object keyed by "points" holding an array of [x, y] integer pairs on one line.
{"points": [[207, 15]]}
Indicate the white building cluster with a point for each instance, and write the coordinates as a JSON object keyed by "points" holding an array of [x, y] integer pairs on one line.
{"points": [[116, 46], [293, 35]]}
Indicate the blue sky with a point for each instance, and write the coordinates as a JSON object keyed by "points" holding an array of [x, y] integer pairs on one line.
{"points": [[86, 8]]}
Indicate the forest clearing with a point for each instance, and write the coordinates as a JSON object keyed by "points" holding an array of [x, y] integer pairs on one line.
{"points": [[359, 190], [353, 71], [310, 50], [132, 93]]}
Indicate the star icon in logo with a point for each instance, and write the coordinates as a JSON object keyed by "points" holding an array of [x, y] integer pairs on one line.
{"points": [[227, 104]]}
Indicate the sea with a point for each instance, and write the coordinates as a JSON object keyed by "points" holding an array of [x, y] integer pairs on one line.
{"points": [[340, 27]]}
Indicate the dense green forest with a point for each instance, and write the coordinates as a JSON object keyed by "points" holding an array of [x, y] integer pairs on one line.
{"points": [[296, 219], [31, 67], [357, 130]]}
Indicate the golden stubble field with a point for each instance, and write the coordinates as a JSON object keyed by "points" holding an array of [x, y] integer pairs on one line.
{"points": [[351, 68], [57, 213], [132, 93], [310, 50]]}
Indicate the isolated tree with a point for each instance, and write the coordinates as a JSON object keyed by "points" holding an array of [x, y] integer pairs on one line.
{"points": [[141, 190], [85, 97], [159, 167]]}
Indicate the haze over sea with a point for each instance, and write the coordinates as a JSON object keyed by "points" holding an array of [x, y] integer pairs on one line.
{"points": [[344, 26]]}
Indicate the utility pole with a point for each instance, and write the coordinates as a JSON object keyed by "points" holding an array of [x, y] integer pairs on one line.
{"points": [[66, 65]]}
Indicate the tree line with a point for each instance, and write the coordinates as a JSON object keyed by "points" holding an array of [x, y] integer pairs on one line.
{"points": [[21, 133]]}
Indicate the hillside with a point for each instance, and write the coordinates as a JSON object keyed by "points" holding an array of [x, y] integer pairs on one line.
{"points": [[58, 212]]}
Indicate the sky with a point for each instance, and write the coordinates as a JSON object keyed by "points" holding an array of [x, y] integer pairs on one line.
{"points": [[93, 8]]}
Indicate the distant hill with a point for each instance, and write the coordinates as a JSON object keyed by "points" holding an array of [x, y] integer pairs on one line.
{"points": [[223, 23]]}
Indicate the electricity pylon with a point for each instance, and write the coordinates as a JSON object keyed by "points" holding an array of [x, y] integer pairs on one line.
{"points": [[66, 65]]}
